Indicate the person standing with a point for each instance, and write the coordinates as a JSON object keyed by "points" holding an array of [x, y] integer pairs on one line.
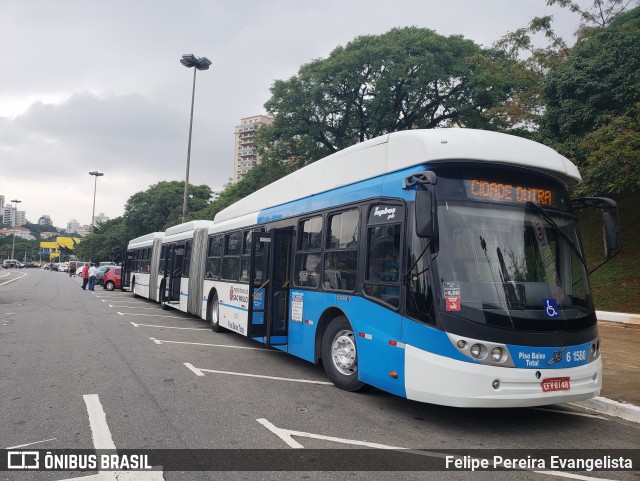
{"points": [[84, 273], [93, 272]]}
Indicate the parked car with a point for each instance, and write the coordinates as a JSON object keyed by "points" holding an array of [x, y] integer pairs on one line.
{"points": [[102, 270], [111, 279], [63, 267], [8, 263]]}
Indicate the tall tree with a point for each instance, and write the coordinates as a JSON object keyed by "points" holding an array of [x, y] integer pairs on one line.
{"points": [[160, 206], [406, 78], [534, 61], [597, 83]]}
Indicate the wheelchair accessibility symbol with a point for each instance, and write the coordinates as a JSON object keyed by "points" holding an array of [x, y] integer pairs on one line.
{"points": [[551, 308]]}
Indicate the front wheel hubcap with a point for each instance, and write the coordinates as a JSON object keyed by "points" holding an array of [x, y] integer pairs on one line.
{"points": [[343, 353]]}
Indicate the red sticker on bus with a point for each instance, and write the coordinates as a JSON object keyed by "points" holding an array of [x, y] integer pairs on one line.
{"points": [[453, 303]]}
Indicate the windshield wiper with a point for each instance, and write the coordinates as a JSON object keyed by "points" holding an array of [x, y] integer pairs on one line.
{"points": [[553, 224]]}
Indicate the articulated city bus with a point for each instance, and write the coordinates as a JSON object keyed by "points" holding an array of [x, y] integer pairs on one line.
{"points": [[442, 265], [141, 265]]}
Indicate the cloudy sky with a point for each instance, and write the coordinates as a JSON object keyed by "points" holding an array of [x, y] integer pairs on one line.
{"points": [[97, 85]]}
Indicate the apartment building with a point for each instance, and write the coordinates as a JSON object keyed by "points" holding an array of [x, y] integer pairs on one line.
{"points": [[246, 151]]}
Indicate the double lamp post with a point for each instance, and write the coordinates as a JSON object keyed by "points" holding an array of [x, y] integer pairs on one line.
{"points": [[202, 63]]}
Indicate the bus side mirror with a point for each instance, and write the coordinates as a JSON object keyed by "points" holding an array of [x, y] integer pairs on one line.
{"points": [[611, 229], [425, 213], [611, 233]]}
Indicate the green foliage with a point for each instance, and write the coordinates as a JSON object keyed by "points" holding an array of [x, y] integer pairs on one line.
{"points": [[155, 209], [160, 206], [406, 78], [108, 241], [533, 62], [259, 176], [36, 229], [612, 157], [598, 82]]}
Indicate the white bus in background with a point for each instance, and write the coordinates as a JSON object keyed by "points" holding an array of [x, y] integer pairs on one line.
{"points": [[140, 270], [180, 279]]}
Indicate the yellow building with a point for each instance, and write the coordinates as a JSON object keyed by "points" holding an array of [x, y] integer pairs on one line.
{"points": [[53, 248]]}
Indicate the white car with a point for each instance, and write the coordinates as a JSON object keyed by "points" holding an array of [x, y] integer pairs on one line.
{"points": [[63, 267]]}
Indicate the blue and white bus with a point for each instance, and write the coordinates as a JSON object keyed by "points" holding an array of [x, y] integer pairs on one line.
{"points": [[443, 266]]}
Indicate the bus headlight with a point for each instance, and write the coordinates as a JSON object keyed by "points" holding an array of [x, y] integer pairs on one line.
{"points": [[496, 354], [482, 351]]}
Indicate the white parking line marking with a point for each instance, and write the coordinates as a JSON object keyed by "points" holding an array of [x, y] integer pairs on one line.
{"points": [[31, 444], [132, 307], [102, 440], [281, 433], [306, 381], [286, 436], [197, 371], [572, 413], [98, 421], [11, 280], [135, 324], [151, 315], [162, 341]]}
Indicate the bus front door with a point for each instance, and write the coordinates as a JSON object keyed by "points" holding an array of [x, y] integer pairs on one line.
{"points": [[269, 285], [127, 266], [175, 274]]}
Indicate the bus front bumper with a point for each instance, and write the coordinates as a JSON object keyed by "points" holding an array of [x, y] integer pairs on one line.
{"points": [[440, 380]]}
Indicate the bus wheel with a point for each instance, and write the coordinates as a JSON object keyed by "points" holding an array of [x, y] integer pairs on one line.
{"points": [[133, 288], [213, 314], [339, 355]]}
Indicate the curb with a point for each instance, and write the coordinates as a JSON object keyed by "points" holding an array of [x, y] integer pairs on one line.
{"points": [[626, 411], [618, 317]]}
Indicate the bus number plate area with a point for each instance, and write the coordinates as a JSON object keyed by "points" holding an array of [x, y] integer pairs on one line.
{"points": [[556, 384]]}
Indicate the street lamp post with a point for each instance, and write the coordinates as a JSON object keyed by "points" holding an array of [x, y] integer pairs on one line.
{"points": [[15, 214], [202, 63], [95, 185], [96, 174]]}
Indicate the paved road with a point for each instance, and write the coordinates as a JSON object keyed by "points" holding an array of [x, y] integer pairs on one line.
{"points": [[164, 380]]}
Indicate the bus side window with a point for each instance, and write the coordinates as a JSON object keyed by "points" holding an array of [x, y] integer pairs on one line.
{"points": [[214, 258], [308, 256], [382, 276], [231, 259], [341, 254], [186, 260]]}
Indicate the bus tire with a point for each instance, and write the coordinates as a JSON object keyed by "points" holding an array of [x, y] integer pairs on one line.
{"points": [[133, 288], [340, 356], [213, 314]]}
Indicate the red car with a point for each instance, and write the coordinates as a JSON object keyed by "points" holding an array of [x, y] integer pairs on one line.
{"points": [[111, 279]]}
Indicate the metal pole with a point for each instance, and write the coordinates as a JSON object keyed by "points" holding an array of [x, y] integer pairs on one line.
{"points": [[186, 182], [93, 212], [15, 213]]}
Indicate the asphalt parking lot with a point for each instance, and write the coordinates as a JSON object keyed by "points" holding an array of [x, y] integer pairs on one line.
{"points": [[83, 368]]}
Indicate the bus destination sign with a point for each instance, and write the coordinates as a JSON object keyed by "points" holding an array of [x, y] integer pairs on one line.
{"points": [[506, 192]]}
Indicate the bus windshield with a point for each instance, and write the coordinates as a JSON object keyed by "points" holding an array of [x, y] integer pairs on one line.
{"points": [[506, 265]]}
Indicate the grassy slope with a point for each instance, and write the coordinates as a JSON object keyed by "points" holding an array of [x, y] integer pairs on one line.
{"points": [[616, 285]]}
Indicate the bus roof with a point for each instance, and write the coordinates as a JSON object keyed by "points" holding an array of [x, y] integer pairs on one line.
{"points": [[185, 231], [401, 150], [145, 240], [188, 226]]}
